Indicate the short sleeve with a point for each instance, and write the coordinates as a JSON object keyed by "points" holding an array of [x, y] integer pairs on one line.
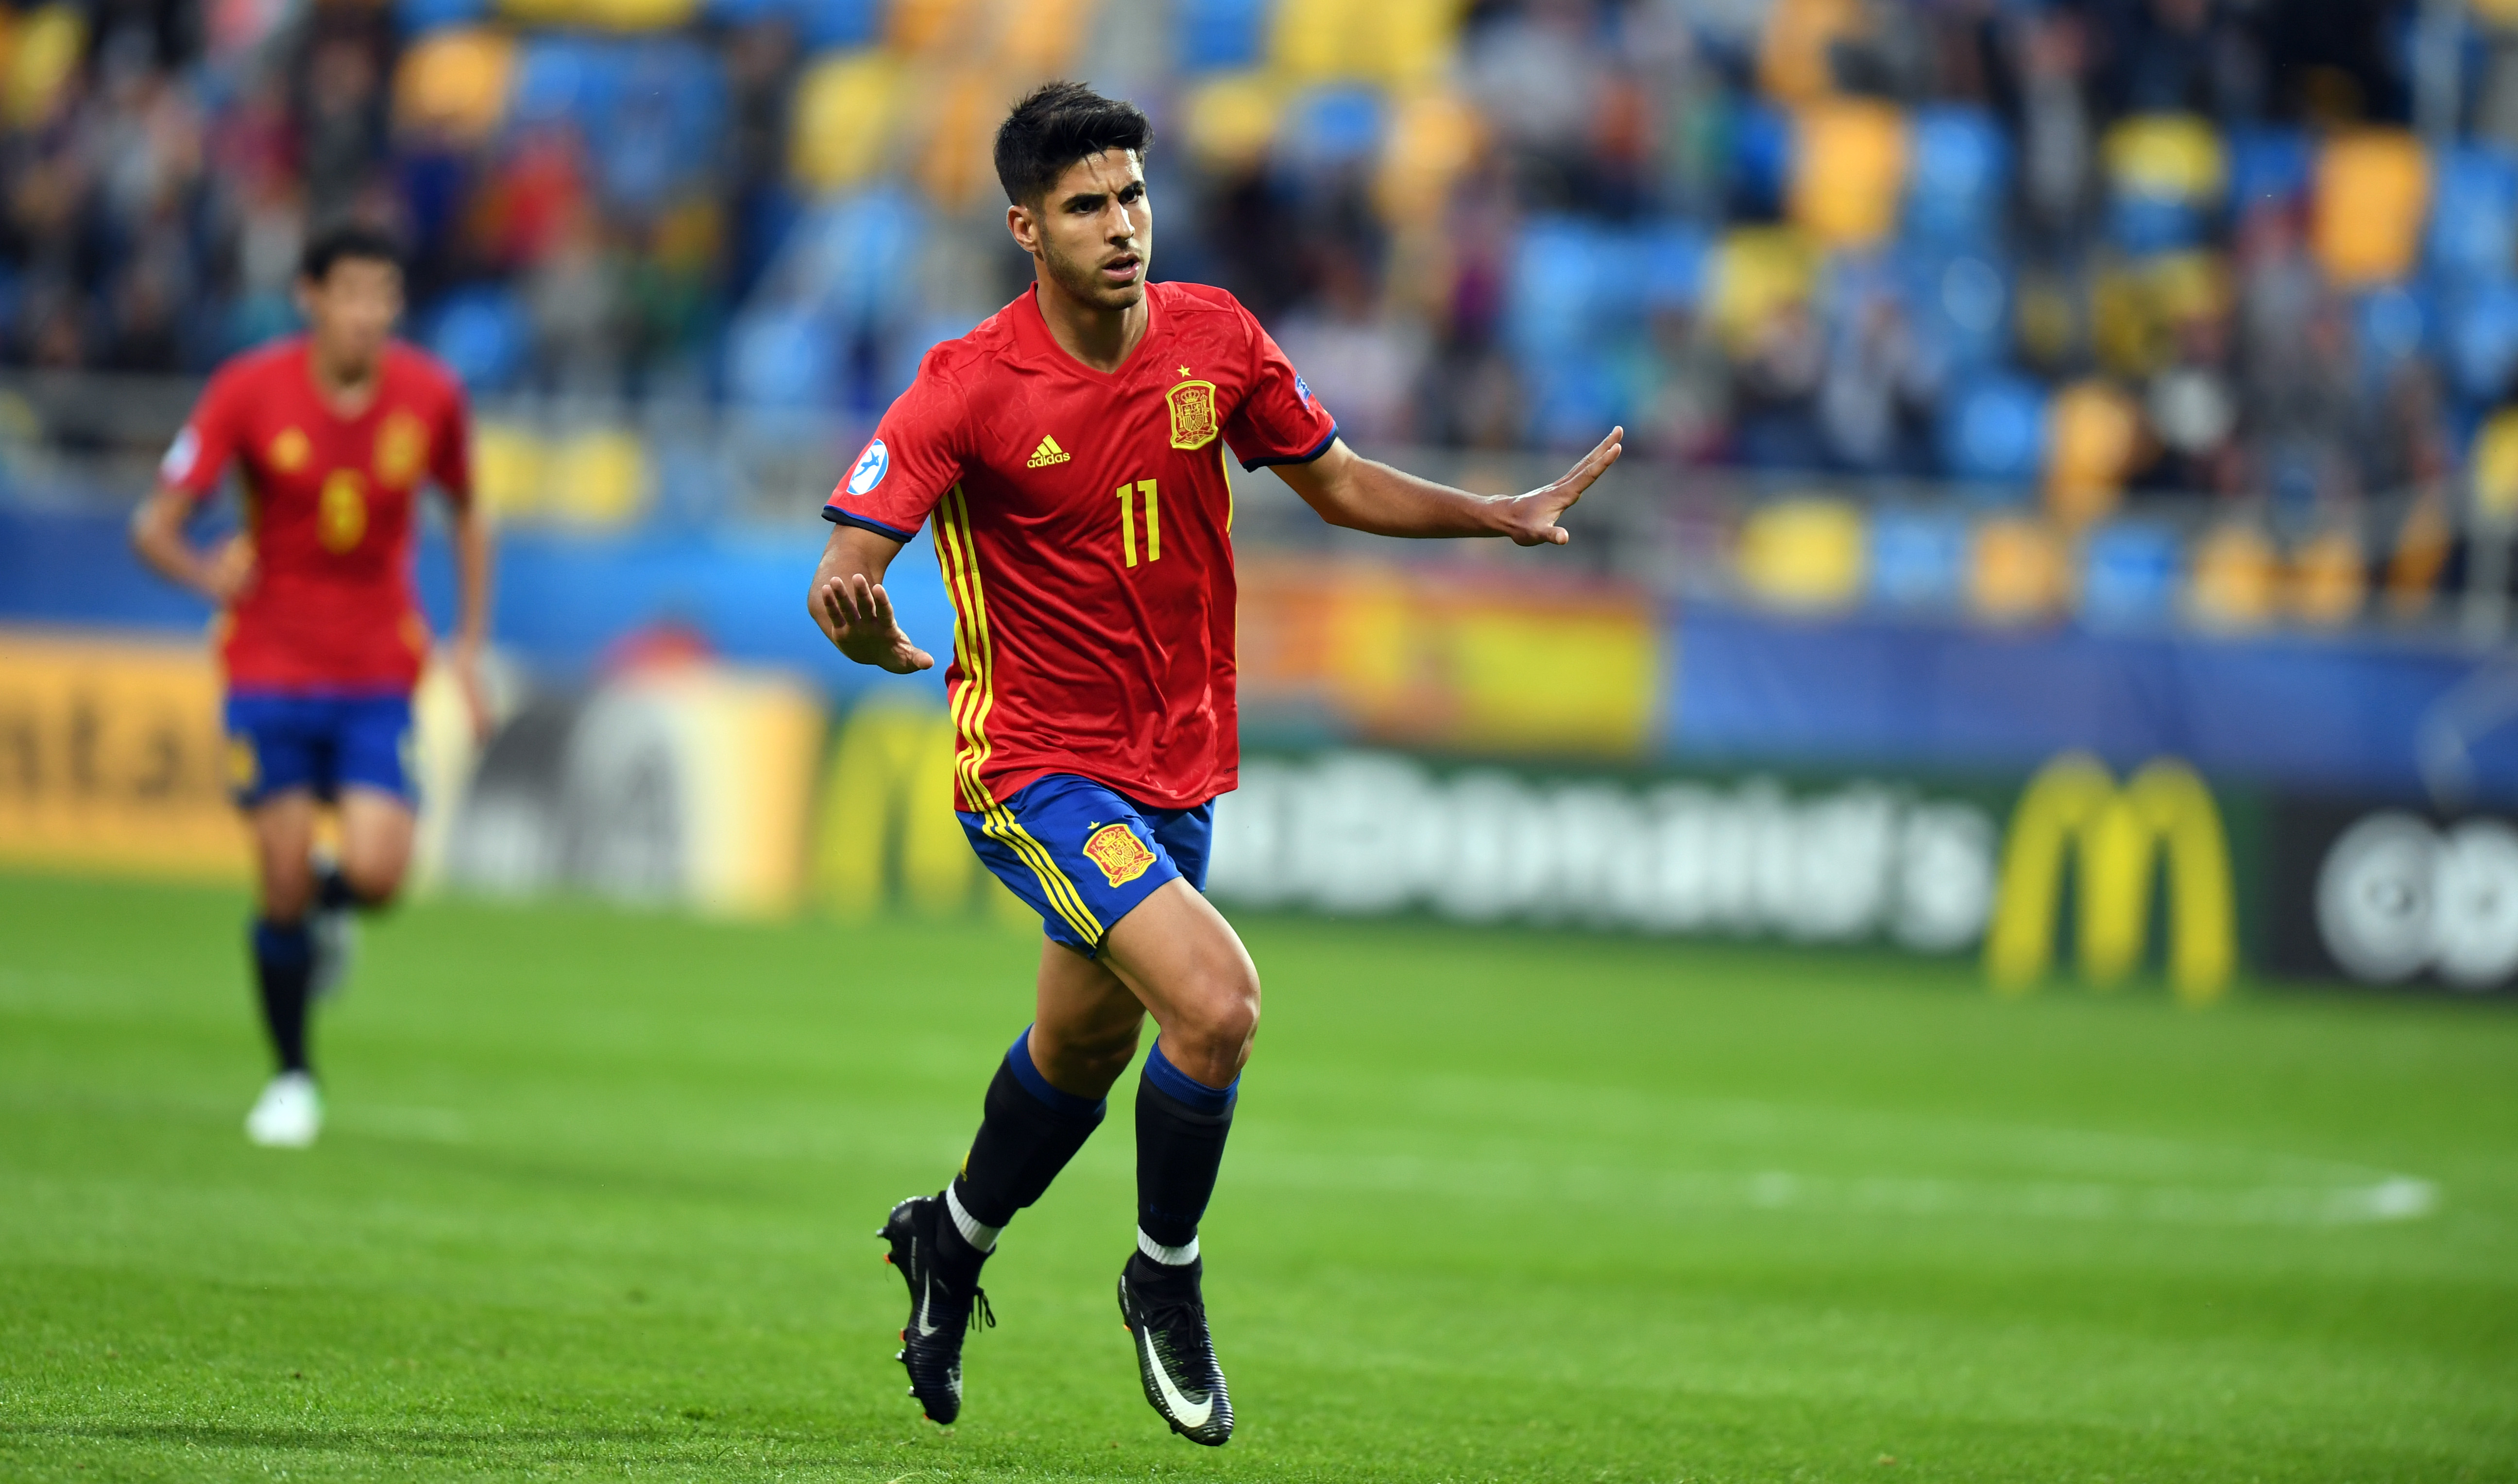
{"points": [[449, 462], [1279, 422], [915, 457], [201, 448]]}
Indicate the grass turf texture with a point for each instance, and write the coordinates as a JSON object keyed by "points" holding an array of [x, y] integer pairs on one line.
{"points": [[597, 1195]]}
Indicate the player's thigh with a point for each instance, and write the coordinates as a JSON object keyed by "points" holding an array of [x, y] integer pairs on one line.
{"points": [[376, 828], [1189, 969], [283, 825], [1085, 1024]]}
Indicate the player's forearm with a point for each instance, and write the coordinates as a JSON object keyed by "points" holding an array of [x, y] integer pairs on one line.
{"points": [[1380, 500], [157, 539], [473, 567]]}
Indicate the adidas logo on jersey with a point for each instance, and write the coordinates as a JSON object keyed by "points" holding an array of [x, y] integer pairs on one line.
{"points": [[1048, 453]]}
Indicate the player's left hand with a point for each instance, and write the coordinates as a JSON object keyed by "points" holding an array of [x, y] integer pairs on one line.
{"points": [[857, 613], [1530, 518]]}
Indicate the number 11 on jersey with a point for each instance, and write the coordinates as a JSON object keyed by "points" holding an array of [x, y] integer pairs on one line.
{"points": [[1128, 521]]}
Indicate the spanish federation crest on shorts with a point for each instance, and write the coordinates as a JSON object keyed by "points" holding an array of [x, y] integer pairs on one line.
{"points": [[1115, 848], [1193, 405]]}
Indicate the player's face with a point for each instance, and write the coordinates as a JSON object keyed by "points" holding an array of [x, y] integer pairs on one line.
{"points": [[352, 310], [1094, 232]]}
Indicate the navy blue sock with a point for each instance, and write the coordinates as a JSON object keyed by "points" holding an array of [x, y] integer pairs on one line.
{"points": [[1181, 1127], [284, 959], [1028, 1130]]}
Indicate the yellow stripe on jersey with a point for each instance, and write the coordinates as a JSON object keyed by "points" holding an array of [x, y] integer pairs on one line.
{"points": [[976, 648]]}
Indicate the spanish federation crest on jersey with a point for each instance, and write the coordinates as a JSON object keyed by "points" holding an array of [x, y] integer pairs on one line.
{"points": [[1122, 857], [1193, 405]]}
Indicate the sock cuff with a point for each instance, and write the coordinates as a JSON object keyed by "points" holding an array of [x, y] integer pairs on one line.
{"points": [[981, 1235], [1066, 1104], [1187, 1091], [1169, 1256], [283, 945]]}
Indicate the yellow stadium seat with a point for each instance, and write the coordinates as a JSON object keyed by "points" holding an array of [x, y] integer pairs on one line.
{"points": [[506, 470], [454, 83], [44, 49], [2373, 189], [2423, 544], [845, 109], [1395, 42], [915, 25], [1807, 554], [1434, 137], [1233, 120], [2330, 580], [2016, 570], [1041, 36], [2495, 466], [596, 478], [2499, 15], [2237, 577], [1848, 170], [2170, 156], [1794, 65], [2092, 431], [601, 15], [956, 160], [1757, 272]]}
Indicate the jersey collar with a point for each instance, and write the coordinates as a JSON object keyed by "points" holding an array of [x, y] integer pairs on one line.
{"points": [[1031, 329]]}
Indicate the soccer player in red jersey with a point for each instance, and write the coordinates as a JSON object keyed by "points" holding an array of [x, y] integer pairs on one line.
{"points": [[334, 432], [1071, 453]]}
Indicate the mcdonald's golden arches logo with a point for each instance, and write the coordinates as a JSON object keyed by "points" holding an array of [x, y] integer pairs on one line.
{"points": [[2114, 836]]}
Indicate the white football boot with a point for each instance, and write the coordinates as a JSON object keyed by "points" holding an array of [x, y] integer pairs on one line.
{"points": [[288, 1114]]}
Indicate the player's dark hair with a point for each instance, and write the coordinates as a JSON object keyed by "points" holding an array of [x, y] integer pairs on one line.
{"points": [[1056, 124], [346, 239]]}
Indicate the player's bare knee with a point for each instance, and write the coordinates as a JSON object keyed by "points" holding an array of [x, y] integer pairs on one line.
{"points": [[375, 886], [1213, 1039], [1087, 1060]]}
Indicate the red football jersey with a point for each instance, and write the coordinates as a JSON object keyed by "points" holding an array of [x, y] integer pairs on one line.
{"points": [[329, 502], [1084, 524]]}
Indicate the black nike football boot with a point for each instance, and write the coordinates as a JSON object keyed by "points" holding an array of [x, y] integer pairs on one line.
{"points": [[1175, 1358], [940, 1312]]}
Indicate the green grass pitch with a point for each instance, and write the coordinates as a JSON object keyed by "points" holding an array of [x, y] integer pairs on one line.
{"points": [[597, 1197]]}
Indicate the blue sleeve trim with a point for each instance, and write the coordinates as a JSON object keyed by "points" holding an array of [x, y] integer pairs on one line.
{"points": [[1321, 447], [838, 516]]}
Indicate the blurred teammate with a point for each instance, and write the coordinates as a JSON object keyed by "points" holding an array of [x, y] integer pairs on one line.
{"points": [[334, 433], [1070, 451]]}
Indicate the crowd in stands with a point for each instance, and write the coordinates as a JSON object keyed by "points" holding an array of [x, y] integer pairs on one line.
{"points": [[2081, 248]]}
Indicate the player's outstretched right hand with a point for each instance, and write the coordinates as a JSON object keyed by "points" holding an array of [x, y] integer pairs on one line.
{"points": [[856, 614]]}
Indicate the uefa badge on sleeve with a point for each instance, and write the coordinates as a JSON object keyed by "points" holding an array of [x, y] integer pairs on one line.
{"points": [[870, 468]]}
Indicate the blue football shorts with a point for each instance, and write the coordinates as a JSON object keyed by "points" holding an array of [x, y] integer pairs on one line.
{"points": [[321, 744], [1083, 855]]}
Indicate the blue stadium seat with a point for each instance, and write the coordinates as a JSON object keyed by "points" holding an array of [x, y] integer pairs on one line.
{"points": [[1959, 304], [2474, 213], [777, 359], [2391, 324], [481, 333], [2270, 167], [2480, 330], [418, 17], [1993, 430], [1761, 162], [1555, 278], [666, 116], [2130, 574], [566, 79], [1331, 128], [821, 25], [1216, 36], [1670, 259], [1917, 558], [1959, 172]]}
